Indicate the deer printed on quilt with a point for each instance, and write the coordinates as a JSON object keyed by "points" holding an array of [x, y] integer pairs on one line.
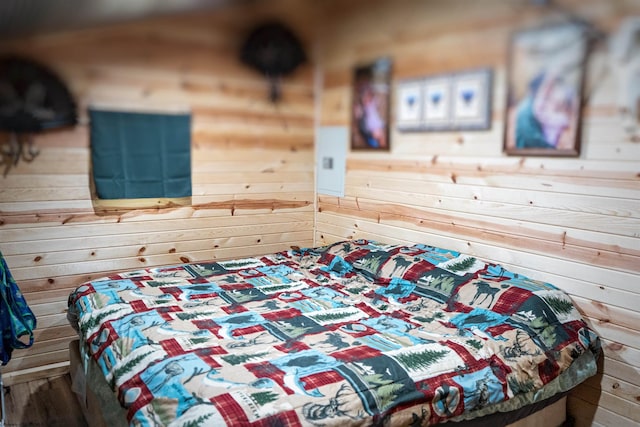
{"points": [[352, 333]]}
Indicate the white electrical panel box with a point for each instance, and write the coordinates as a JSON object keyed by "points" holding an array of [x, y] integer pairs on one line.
{"points": [[331, 159]]}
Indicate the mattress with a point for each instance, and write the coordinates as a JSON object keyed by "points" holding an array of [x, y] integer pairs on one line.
{"points": [[353, 333]]}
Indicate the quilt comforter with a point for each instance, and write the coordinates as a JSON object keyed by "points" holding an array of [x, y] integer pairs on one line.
{"points": [[354, 333]]}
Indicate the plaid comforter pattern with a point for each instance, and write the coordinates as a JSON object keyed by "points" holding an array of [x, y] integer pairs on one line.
{"points": [[354, 333]]}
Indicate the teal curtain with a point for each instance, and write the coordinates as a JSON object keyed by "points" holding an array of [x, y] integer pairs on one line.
{"points": [[140, 155]]}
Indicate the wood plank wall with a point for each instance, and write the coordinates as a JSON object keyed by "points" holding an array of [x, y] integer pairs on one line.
{"points": [[252, 163], [574, 222]]}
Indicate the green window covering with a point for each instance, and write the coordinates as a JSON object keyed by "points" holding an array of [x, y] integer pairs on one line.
{"points": [[140, 155]]}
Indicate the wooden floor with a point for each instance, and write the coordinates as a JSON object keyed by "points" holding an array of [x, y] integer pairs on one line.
{"points": [[46, 402]]}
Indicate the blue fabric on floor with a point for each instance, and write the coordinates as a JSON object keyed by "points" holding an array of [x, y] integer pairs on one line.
{"points": [[16, 318]]}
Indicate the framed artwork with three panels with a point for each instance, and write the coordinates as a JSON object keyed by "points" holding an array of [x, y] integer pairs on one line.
{"points": [[446, 102]]}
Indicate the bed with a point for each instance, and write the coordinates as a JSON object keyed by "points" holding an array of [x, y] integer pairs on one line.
{"points": [[353, 333]]}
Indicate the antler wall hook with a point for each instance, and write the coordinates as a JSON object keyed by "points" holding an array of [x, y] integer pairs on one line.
{"points": [[17, 146], [32, 100]]}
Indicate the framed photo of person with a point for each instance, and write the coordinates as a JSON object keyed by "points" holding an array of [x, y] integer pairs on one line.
{"points": [[370, 106], [544, 93]]}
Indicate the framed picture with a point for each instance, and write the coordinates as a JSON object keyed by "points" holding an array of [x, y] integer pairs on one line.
{"points": [[370, 108], [544, 93], [459, 101], [437, 103], [471, 95], [409, 105]]}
